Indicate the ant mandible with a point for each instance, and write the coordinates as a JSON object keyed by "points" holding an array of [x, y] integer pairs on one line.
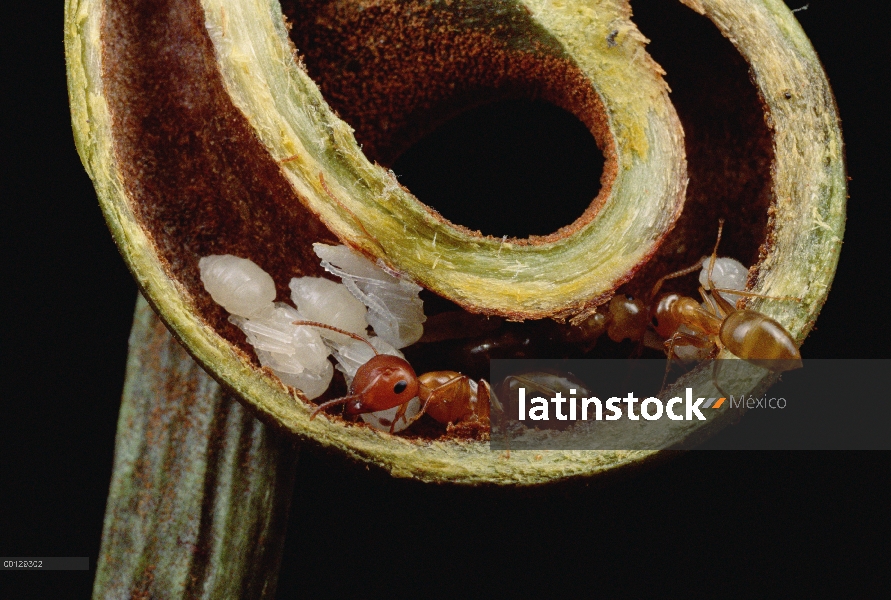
{"points": [[387, 381]]}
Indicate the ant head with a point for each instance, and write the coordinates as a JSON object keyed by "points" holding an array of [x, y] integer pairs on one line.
{"points": [[383, 382], [663, 319]]}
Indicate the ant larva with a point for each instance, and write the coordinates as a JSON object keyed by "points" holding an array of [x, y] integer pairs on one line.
{"points": [[385, 382]]}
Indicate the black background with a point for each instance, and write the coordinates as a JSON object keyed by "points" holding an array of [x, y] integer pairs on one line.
{"points": [[765, 523]]}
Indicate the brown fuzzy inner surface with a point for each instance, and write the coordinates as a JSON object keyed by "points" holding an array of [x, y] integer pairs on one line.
{"points": [[397, 70], [199, 180]]}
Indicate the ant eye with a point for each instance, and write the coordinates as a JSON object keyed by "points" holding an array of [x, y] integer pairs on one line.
{"points": [[400, 387], [655, 322]]}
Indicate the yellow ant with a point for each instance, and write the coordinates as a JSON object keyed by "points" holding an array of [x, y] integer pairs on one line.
{"points": [[749, 334]]}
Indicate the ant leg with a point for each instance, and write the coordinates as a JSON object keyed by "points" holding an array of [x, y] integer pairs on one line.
{"points": [[725, 306], [714, 257], [326, 405], [685, 339], [719, 304], [669, 352], [728, 308], [716, 370], [711, 302], [400, 414], [754, 295]]}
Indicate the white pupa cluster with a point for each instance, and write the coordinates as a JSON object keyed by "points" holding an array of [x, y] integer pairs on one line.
{"points": [[298, 354]]}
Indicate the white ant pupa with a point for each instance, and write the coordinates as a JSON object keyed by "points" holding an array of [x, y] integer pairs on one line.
{"points": [[237, 284], [728, 274], [395, 311]]}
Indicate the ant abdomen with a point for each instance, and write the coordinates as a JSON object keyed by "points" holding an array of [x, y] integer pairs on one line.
{"points": [[628, 318], [466, 399], [755, 337]]}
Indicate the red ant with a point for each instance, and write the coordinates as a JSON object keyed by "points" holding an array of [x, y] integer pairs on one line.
{"points": [[387, 381]]}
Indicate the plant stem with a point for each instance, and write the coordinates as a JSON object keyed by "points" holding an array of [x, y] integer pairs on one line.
{"points": [[201, 489]]}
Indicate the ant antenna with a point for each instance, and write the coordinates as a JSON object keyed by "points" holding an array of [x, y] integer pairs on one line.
{"points": [[680, 273], [711, 262], [338, 330], [694, 267], [325, 405]]}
